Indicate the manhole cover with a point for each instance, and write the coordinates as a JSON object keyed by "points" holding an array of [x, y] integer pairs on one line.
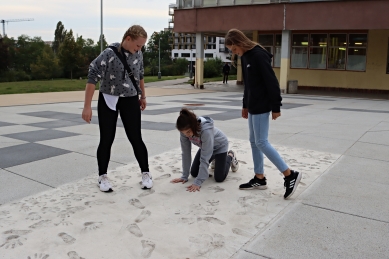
{"points": [[194, 104]]}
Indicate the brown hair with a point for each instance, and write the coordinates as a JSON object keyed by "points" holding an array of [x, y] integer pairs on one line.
{"points": [[188, 120], [238, 38], [135, 31]]}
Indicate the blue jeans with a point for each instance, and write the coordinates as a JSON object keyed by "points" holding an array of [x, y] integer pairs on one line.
{"points": [[259, 131]]}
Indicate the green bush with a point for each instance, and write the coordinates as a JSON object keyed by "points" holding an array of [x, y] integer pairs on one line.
{"points": [[13, 76], [213, 67]]}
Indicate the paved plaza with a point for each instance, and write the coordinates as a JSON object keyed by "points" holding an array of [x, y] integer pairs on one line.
{"points": [[51, 207]]}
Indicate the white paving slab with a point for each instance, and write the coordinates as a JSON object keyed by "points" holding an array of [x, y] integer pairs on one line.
{"points": [[306, 232], [164, 222], [9, 142], [367, 150]]}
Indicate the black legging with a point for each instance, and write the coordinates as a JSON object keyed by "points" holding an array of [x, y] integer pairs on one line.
{"points": [[222, 165], [225, 77], [131, 117]]}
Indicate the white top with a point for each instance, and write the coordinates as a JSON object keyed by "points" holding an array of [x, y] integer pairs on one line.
{"points": [[111, 101]]}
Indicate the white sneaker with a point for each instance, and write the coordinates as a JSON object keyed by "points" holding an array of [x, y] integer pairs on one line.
{"points": [[147, 180], [234, 162], [213, 164], [104, 184]]}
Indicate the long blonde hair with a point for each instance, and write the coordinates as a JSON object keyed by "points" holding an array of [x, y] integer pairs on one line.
{"points": [[238, 38], [135, 31]]}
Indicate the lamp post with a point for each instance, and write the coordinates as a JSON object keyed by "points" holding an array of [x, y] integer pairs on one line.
{"points": [[191, 66], [159, 58], [101, 28]]}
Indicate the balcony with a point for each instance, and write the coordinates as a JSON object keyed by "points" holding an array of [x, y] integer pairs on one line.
{"points": [[185, 4]]}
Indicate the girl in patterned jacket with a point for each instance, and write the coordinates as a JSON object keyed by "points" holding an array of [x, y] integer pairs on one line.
{"points": [[118, 94]]}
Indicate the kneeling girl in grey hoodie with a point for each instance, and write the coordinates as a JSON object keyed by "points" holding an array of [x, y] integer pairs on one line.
{"points": [[213, 147]]}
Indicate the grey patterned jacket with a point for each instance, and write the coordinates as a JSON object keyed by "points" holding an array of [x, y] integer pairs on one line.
{"points": [[108, 68]]}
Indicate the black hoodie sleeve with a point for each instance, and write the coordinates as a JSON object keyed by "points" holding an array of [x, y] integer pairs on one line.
{"points": [[269, 79]]}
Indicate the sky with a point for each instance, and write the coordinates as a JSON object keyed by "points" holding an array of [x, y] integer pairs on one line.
{"points": [[83, 17]]}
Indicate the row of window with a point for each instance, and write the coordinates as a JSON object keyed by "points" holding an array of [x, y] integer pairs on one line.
{"points": [[187, 55], [335, 51]]}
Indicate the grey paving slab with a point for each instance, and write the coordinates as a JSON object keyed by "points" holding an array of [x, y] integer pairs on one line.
{"points": [[359, 110], [382, 126], [223, 116], [4, 124], [161, 126], [25, 153], [337, 146], [337, 131], [53, 115], [358, 197], [40, 135], [376, 137], [55, 124], [8, 142], [61, 169], [367, 150], [17, 129], [286, 97], [15, 187], [246, 255], [307, 232]]}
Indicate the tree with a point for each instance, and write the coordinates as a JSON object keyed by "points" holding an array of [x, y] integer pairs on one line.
{"points": [[213, 67], [181, 65], [46, 66], [26, 51], [151, 55], [98, 45], [4, 55], [69, 54], [59, 36]]}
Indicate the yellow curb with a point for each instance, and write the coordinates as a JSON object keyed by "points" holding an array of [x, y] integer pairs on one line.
{"points": [[78, 96]]}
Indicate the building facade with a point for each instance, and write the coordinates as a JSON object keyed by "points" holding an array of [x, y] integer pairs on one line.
{"points": [[321, 43], [184, 44]]}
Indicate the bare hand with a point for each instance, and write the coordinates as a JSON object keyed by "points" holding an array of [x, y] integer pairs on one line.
{"points": [[275, 115], [142, 104], [178, 180], [193, 188], [245, 113], [87, 114]]}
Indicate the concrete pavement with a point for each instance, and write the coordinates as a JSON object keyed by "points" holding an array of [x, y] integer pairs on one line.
{"points": [[50, 205]]}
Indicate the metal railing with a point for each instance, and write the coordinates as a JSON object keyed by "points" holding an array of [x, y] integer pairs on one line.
{"points": [[184, 4]]}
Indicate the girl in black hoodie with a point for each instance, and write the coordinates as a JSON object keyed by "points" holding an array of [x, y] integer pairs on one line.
{"points": [[262, 96]]}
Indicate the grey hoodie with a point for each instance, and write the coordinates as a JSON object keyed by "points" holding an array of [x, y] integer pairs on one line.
{"points": [[108, 68], [212, 141]]}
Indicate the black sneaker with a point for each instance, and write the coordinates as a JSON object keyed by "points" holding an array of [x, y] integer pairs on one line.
{"points": [[254, 183], [291, 183]]}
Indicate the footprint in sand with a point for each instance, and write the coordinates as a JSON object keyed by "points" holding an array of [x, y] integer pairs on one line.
{"points": [[88, 226], [241, 232], [4, 213], [38, 256], [74, 255], [33, 216], [136, 203], [17, 232], [159, 169], [67, 238], [144, 214], [41, 224], [148, 248], [164, 176], [135, 230], [121, 177], [98, 202], [13, 242], [146, 192], [216, 189], [212, 220], [213, 202]]}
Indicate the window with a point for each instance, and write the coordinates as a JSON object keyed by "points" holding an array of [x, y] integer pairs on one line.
{"points": [[299, 53], [194, 55], [356, 55], [318, 51], [272, 43], [337, 51], [176, 55], [387, 61], [185, 55], [209, 55], [334, 51]]}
